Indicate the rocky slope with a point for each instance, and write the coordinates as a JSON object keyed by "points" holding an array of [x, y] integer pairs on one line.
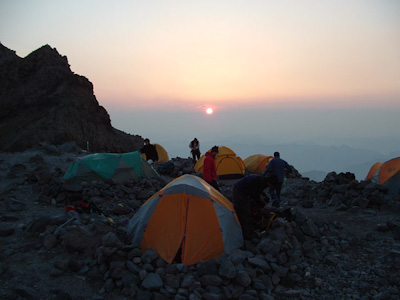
{"points": [[340, 241], [42, 100]]}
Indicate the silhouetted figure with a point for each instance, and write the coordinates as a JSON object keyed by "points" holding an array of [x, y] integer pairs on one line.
{"points": [[249, 198], [277, 166], [195, 149], [150, 151]]}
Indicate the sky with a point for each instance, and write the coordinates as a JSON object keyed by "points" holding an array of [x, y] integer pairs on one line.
{"points": [[281, 72]]}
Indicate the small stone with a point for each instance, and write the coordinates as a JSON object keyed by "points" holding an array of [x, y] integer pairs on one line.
{"points": [[152, 281], [243, 278]]}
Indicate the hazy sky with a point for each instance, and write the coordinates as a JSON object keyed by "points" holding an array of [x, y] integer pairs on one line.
{"points": [[284, 71]]}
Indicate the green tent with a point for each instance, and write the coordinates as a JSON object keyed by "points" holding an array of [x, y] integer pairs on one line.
{"points": [[118, 167]]}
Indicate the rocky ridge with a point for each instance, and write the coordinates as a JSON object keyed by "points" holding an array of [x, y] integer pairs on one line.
{"points": [[341, 241], [42, 100]]}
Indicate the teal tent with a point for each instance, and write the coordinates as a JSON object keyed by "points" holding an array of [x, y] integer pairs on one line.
{"points": [[115, 166]]}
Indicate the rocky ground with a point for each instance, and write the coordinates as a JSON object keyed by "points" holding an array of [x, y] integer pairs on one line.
{"points": [[341, 240]]}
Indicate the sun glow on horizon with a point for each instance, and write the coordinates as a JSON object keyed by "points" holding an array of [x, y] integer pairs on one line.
{"points": [[209, 111], [262, 54]]}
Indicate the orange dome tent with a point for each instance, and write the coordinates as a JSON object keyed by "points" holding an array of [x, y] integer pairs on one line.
{"points": [[188, 215], [228, 164], [375, 167], [387, 174], [257, 163]]}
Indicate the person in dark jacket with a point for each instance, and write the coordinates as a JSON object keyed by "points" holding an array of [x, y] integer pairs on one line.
{"points": [[277, 166], [248, 196], [150, 151], [195, 149]]}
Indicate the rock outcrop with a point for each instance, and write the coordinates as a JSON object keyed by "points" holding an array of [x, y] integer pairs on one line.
{"points": [[42, 100]]}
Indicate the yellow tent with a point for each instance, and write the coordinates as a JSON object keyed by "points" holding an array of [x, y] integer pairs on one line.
{"points": [[228, 164], [162, 153], [257, 163]]}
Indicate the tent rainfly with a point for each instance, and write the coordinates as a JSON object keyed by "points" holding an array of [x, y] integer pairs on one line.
{"points": [[187, 219], [162, 153], [257, 163], [118, 167]]}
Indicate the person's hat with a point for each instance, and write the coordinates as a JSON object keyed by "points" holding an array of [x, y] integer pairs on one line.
{"points": [[214, 149]]}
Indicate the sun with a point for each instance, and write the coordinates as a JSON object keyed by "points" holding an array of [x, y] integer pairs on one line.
{"points": [[209, 111]]}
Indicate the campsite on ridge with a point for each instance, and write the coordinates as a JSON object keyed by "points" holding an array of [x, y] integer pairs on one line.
{"points": [[341, 231], [85, 216]]}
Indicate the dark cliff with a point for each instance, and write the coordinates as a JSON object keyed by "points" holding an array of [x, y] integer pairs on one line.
{"points": [[42, 100]]}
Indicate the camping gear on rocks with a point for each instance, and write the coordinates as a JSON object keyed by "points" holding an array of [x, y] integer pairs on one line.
{"points": [[87, 207], [270, 213], [187, 216]]}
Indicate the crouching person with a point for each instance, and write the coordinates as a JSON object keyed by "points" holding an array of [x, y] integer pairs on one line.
{"points": [[248, 196]]}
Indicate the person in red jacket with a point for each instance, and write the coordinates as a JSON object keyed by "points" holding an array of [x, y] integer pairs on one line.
{"points": [[210, 169]]}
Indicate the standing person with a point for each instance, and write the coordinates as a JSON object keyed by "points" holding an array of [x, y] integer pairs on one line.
{"points": [[150, 151], [195, 149], [248, 199], [210, 169], [277, 166]]}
